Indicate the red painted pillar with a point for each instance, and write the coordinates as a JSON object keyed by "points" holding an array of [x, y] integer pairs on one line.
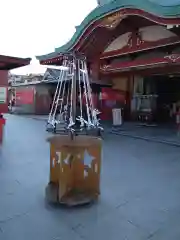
{"points": [[94, 73], [3, 91]]}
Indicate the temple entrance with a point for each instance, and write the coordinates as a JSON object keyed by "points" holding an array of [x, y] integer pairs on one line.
{"points": [[166, 92]]}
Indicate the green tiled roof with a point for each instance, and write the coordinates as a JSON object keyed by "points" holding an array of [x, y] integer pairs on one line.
{"points": [[170, 11], [47, 56]]}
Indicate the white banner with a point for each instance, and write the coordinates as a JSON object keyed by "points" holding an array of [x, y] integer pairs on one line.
{"points": [[3, 95]]}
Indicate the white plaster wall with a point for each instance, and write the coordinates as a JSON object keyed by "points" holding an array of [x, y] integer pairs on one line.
{"points": [[118, 43], [155, 33], [151, 34]]}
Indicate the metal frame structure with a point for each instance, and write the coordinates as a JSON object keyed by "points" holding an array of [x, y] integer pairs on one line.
{"points": [[74, 77]]}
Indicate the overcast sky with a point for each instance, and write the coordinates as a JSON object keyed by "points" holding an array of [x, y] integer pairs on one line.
{"points": [[30, 27]]}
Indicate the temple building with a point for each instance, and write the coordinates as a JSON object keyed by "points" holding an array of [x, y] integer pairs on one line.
{"points": [[8, 63], [134, 46]]}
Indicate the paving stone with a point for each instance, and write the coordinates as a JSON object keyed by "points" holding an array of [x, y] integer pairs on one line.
{"points": [[112, 227], [170, 229], [139, 190], [34, 225]]}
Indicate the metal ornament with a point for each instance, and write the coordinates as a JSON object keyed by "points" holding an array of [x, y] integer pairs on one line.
{"points": [[73, 88]]}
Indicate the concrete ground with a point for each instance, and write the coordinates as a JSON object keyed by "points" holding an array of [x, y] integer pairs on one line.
{"points": [[166, 134], [140, 190]]}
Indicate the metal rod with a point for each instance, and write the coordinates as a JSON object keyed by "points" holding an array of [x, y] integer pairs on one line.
{"points": [[74, 90]]}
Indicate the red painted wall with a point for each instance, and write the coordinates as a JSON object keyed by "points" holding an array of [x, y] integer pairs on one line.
{"points": [[43, 104], [4, 83], [24, 96], [42, 100]]}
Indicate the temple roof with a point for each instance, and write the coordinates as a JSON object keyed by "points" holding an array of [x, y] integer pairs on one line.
{"points": [[9, 62], [161, 2], [161, 8], [167, 2]]}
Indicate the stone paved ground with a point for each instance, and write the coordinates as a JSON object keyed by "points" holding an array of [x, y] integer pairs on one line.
{"points": [[159, 134], [139, 200]]}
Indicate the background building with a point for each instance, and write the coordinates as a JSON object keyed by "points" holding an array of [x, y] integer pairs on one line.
{"points": [[30, 93], [6, 64]]}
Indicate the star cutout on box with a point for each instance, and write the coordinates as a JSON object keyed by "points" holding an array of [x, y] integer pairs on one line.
{"points": [[67, 159], [87, 158]]}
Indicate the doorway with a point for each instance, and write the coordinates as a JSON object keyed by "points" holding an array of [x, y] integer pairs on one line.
{"points": [[167, 89]]}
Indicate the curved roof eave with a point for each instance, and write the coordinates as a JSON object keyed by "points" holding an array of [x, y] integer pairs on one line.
{"points": [[47, 56], [171, 11]]}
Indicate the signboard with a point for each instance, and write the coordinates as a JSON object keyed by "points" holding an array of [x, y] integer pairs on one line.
{"points": [[3, 95], [113, 95]]}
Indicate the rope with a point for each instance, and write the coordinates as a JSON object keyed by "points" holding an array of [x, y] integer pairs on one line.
{"points": [[71, 123], [63, 92], [86, 97], [77, 68], [68, 87], [88, 86], [93, 110], [54, 99], [80, 96], [59, 92], [66, 108]]}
